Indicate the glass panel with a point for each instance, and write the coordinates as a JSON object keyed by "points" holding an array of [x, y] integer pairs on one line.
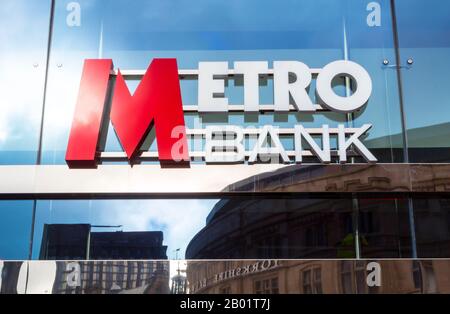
{"points": [[15, 229], [235, 227], [423, 29], [121, 277], [117, 229], [24, 26], [224, 31], [369, 41], [240, 227], [432, 220], [384, 228]]}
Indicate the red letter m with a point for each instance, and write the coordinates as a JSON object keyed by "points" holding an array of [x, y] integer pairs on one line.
{"points": [[156, 101]]}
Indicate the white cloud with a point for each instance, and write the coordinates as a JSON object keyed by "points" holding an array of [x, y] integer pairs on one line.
{"points": [[22, 64], [179, 220]]}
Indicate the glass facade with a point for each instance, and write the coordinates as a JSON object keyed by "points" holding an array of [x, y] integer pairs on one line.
{"points": [[403, 44], [422, 31]]}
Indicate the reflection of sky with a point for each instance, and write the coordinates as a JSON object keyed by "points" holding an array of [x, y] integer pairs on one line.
{"points": [[310, 31], [214, 31], [23, 40], [15, 227], [424, 35], [179, 220]]}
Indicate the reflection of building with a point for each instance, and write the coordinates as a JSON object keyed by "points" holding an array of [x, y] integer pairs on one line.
{"points": [[302, 228], [77, 242], [100, 277], [179, 281], [346, 220], [9, 273], [317, 276], [421, 144], [179, 284]]}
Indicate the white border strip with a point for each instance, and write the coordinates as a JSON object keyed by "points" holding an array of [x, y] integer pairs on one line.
{"points": [[125, 179]]}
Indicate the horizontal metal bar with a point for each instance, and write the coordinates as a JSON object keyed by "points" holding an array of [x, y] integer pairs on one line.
{"points": [[262, 108], [153, 155], [282, 131], [191, 73], [153, 181], [45, 179]]}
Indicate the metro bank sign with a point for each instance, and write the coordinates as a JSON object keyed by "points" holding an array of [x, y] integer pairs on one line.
{"points": [[157, 103]]}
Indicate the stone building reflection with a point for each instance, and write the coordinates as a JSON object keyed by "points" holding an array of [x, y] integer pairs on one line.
{"points": [[110, 262], [318, 276], [362, 211], [112, 277]]}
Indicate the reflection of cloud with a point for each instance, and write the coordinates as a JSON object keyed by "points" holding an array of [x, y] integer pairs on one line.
{"points": [[21, 99], [22, 64], [62, 90], [179, 220], [41, 277], [22, 278]]}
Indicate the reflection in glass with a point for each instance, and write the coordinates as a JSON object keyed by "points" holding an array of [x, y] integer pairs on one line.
{"points": [[423, 28], [116, 229], [234, 227], [15, 229], [223, 276], [78, 242], [432, 221], [223, 31], [314, 276], [302, 228], [24, 26], [111, 277]]}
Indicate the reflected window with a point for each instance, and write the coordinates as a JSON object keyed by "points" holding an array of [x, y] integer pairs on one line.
{"points": [[417, 274], [266, 286], [384, 228], [360, 277], [353, 275], [346, 277], [100, 277], [311, 280], [430, 277], [432, 222]]}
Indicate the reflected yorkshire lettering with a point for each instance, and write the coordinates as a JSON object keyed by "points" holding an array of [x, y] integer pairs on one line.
{"points": [[104, 96], [248, 269]]}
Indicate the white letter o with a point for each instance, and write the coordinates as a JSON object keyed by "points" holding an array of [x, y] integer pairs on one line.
{"points": [[338, 103]]}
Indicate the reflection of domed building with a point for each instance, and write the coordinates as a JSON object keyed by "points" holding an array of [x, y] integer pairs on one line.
{"points": [[363, 211], [300, 228], [317, 276]]}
